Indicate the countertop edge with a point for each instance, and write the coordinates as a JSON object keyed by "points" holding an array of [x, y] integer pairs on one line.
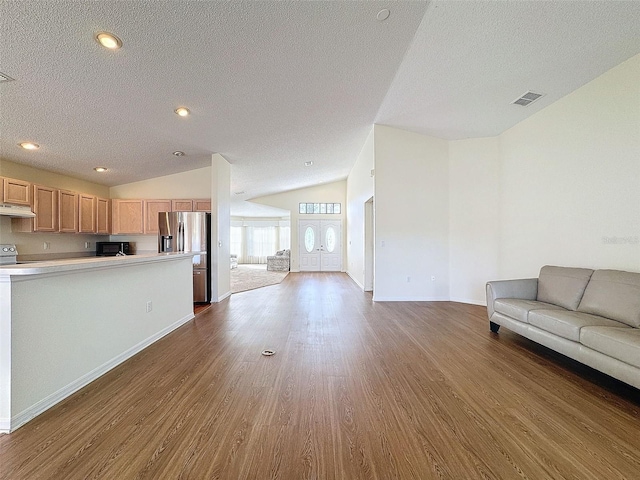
{"points": [[89, 263]]}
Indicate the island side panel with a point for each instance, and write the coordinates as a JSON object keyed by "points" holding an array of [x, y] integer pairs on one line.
{"points": [[67, 329]]}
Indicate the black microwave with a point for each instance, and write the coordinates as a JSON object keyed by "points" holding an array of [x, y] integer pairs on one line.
{"points": [[111, 249]]}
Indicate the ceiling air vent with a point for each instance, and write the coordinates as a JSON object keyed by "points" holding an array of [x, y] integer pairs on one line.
{"points": [[527, 99], [5, 78]]}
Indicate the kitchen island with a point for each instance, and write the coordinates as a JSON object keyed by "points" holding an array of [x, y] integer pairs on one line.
{"points": [[64, 323]]}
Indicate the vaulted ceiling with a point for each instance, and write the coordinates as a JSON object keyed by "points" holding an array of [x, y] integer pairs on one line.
{"points": [[272, 85]]}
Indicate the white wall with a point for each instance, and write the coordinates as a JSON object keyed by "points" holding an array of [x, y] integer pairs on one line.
{"points": [[474, 211], [359, 190], [80, 335], [220, 227], [190, 184], [411, 216], [570, 180], [326, 193]]}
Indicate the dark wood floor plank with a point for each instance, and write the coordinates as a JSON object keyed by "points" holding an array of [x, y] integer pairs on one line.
{"points": [[356, 389]]}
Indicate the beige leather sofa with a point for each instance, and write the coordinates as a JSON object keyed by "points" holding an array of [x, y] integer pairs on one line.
{"points": [[590, 316]]}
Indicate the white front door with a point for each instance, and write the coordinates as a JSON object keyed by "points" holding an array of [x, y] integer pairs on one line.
{"points": [[320, 245], [309, 245]]}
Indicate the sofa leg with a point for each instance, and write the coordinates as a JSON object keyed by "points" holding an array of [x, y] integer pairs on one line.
{"points": [[493, 326]]}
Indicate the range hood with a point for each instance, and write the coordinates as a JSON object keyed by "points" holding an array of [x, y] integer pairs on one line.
{"points": [[16, 211]]}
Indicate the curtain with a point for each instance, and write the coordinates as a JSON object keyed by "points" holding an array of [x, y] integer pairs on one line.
{"points": [[236, 243], [260, 243]]}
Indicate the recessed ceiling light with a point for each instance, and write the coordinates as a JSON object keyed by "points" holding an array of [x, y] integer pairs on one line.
{"points": [[100, 169], [29, 145], [182, 111], [383, 14], [109, 40], [178, 153], [308, 164]]}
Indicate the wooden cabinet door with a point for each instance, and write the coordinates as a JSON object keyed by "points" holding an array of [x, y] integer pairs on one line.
{"points": [[67, 211], [127, 216], [45, 206], [181, 205], [151, 210], [87, 213], [102, 216], [202, 205], [16, 192]]}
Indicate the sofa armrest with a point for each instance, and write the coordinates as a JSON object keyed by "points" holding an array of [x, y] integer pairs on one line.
{"points": [[525, 289]]}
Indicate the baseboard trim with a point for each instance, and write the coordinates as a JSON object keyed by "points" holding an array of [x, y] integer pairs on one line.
{"points": [[409, 299], [469, 301], [56, 397], [221, 298], [5, 425], [355, 281]]}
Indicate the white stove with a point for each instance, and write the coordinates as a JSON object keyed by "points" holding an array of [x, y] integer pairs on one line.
{"points": [[8, 254]]}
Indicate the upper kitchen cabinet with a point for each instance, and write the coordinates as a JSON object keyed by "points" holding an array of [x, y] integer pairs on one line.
{"points": [[127, 216], [202, 205], [45, 206], [87, 213], [182, 205], [16, 192], [67, 211], [151, 210], [103, 224]]}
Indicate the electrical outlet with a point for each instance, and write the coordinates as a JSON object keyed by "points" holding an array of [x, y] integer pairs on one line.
{"points": [[433, 278], [87, 245], [149, 306], [408, 279], [46, 246]]}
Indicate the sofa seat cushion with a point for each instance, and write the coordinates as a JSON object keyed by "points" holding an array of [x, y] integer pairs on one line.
{"points": [[518, 308], [567, 324], [613, 294], [621, 343], [563, 286]]}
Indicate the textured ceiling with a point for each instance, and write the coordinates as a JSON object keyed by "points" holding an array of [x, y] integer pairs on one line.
{"points": [[272, 85]]}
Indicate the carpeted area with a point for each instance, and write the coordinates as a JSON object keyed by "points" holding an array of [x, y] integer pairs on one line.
{"points": [[248, 277]]}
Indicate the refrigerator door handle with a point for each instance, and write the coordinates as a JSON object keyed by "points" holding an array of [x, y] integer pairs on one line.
{"points": [[180, 246]]}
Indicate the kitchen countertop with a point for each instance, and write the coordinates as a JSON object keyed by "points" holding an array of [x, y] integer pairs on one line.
{"points": [[87, 263]]}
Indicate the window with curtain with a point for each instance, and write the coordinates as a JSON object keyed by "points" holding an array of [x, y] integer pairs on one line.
{"points": [[235, 245], [285, 237], [260, 242]]}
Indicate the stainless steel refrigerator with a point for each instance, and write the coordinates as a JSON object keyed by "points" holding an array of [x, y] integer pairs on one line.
{"points": [[189, 232]]}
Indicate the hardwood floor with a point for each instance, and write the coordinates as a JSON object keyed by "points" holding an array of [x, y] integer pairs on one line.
{"points": [[355, 390]]}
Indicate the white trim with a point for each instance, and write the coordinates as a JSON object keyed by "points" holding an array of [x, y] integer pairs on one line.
{"points": [[56, 397], [482, 303], [5, 425], [222, 297], [410, 299], [356, 281]]}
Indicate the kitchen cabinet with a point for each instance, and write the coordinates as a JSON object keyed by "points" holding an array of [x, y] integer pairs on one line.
{"points": [[67, 211], [86, 213], [181, 205], [151, 210], [202, 205], [16, 192], [45, 206], [127, 216], [103, 224]]}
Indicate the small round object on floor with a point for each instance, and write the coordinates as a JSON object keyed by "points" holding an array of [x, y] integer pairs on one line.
{"points": [[268, 353]]}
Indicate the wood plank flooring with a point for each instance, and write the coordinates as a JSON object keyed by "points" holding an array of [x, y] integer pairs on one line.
{"points": [[356, 390]]}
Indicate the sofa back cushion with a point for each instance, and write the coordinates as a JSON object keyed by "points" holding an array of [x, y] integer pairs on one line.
{"points": [[562, 286], [613, 294]]}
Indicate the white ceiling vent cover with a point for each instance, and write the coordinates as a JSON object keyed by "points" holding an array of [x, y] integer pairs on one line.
{"points": [[527, 99], [5, 78]]}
